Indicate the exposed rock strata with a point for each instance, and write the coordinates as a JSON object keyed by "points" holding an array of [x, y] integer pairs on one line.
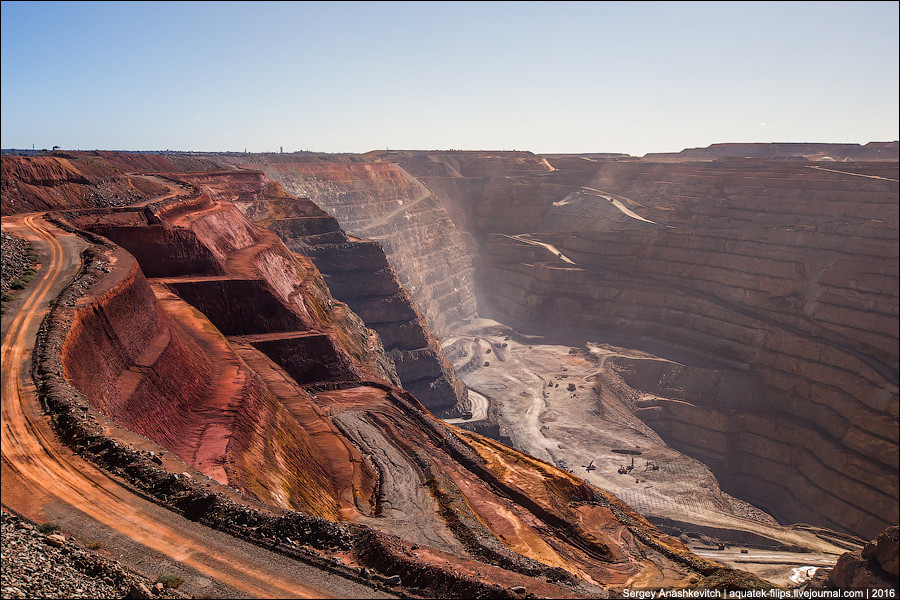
{"points": [[356, 272], [154, 367], [814, 391], [498, 505], [380, 201], [537, 510], [474, 482], [788, 271]]}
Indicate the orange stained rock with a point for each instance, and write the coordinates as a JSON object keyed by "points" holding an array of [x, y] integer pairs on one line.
{"points": [[273, 456], [547, 485], [38, 471], [497, 515], [349, 475]]}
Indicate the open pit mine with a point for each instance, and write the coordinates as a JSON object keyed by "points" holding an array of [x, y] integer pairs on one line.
{"points": [[458, 374]]}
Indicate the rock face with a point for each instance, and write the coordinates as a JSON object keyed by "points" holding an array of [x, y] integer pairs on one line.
{"points": [[827, 398], [356, 272], [165, 376], [809, 308], [379, 201], [875, 566], [296, 405], [786, 271]]}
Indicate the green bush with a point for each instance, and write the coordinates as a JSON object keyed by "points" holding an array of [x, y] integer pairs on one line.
{"points": [[48, 527], [170, 581]]}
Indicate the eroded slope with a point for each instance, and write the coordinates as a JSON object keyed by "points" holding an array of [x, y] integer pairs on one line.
{"points": [[356, 272], [784, 272], [294, 405]]}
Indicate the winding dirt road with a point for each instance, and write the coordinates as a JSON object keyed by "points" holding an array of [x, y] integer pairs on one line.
{"points": [[424, 193], [44, 480], [526, 238], [849, 173], [175, 189], [478, 405]]}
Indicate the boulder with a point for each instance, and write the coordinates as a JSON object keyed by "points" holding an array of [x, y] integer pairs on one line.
{"points": [[875, 566], [884, 549], [138, 590]]}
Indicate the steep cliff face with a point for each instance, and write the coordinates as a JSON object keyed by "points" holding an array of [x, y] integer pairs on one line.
{"points": [[380, 201], [356, 272], [747, 192], [149, 361], [809, 309], [281, 404], [786, 271], [875, 566]]}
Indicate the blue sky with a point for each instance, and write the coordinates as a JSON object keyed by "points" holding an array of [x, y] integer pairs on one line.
{"points": [[631, 77]]}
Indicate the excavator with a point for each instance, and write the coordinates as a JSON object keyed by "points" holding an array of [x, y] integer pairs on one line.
{"points": [[590, 466]]}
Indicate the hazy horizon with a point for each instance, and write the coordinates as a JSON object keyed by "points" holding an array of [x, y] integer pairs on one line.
{"points": [[313, 151], [632, 77]]}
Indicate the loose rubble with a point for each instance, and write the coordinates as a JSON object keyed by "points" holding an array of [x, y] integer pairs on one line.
{"points": [[38, 565], [15, 260]]}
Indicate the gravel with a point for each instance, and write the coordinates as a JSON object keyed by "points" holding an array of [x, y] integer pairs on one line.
{"points": [[38, 565], [14, 260]]}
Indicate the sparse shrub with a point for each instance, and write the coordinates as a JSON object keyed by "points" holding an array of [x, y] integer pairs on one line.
{"points": [[170, 581], [18, 285], [48, 527], [94, 545]]}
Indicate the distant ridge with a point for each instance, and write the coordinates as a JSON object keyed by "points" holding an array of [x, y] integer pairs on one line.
{"points": [[811, 151]]}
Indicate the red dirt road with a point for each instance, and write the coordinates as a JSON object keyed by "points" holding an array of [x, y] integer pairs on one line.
{"points": [[44, 480]]}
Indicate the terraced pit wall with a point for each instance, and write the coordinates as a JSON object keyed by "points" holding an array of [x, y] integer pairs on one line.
{"points": [[810, 308], [379, 201], [783, 270], [169, 375], [357, 272]]}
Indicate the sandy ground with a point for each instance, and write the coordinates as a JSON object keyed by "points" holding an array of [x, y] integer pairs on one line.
{"points": [[543, 398]]}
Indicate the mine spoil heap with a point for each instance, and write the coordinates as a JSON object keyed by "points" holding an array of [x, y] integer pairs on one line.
{"points": [[207, 363]]}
